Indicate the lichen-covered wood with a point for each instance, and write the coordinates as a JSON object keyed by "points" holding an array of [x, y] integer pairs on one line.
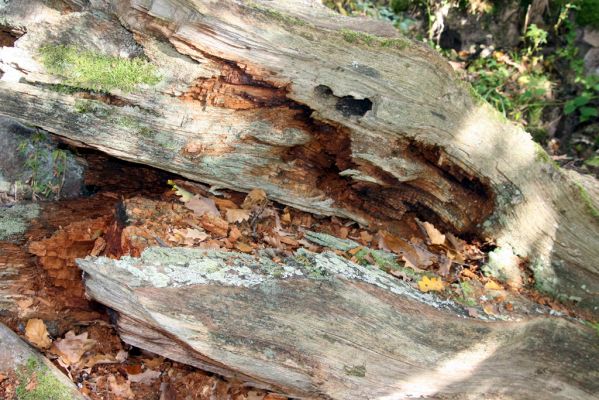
{"points": [[320, 326], [333, 115]]}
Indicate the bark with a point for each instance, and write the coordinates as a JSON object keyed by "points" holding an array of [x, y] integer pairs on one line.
{"points": [[320, 326], [331, 115]]}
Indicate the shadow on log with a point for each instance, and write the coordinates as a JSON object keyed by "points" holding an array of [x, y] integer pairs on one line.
{"points": [[320, 326]]}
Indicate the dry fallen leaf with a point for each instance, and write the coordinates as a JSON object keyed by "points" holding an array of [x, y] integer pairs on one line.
{"points": [[491, 309], [215, 225], [436, 237], [99, 359], [427, 284], [236, 215], [145, 377], [37, 334], [245, 248], [491, 285], [72, 347], [224, 204], [202, 205], [234, 234], [255, 198], [365, 237], [120, 389]]}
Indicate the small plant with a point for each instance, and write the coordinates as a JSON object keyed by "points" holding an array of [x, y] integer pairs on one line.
{"points": [[536, 37], [94, 71], [37, 153]]}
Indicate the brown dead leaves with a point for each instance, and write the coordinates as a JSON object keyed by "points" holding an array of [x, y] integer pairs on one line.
{"points": [[37, 334], [71, 348]]}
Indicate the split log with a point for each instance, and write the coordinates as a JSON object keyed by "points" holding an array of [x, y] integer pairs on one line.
{"points": [[320, 326], [332, 115]]}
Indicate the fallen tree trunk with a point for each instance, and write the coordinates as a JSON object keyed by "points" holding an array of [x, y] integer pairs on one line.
{"points": [[331, 115], [320, 326]]}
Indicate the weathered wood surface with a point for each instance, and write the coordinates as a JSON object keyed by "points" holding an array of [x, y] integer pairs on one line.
{"points": [[319, 326], [285, 96]]}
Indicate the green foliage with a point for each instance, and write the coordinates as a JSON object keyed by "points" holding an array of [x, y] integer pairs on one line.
{"points": [[593, 162], [519, 94], [589, 13], [44, 183], [468, 294], [588, 85], [93, 71], [536, 36], [46, 387]]}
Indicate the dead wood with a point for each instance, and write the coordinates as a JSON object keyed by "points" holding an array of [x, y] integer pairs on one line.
{"points": [[319, 326], [328, 114]]}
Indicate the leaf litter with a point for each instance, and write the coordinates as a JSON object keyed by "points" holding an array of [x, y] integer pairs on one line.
{"points": [[422, 254]]}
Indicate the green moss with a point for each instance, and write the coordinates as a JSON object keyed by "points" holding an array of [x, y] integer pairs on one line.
{"points": [[587, 200], [368, 39], [91, 107], [131, 123], [63, 89], [542, 156], [276, 15], [47, 386], [355, 370], [467, 297], [594, 325], [94, 71], [588, 13]]}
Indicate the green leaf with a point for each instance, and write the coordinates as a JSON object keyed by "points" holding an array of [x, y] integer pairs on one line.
{"points": [[569, 107], [581, 100], [593, 161], [587, 113]]}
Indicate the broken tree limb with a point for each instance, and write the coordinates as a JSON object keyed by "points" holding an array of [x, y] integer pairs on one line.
{"points": [[320, 326], [328, 114]]}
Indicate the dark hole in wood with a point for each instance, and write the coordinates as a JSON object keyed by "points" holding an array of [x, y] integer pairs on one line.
{"points": [[349, 106], [8, 35]]}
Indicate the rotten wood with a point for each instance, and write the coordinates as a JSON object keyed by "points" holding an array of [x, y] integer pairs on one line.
{"points": [[332, 115], [320, 326]]}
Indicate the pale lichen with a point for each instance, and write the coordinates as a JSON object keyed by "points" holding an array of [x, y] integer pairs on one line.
{"points": [[15, 220], [177, 267]]}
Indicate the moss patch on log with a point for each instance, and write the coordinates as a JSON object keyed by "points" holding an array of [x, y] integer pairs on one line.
{"points": [[36, 382], [368, 39], [587, 200], [94, 71], [277, 16]]}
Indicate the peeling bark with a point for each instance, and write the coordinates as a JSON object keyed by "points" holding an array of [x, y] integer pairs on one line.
{"points": [[331, 115]]}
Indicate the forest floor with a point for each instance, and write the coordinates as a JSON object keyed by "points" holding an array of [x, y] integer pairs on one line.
{"points": [[129, 208]]}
